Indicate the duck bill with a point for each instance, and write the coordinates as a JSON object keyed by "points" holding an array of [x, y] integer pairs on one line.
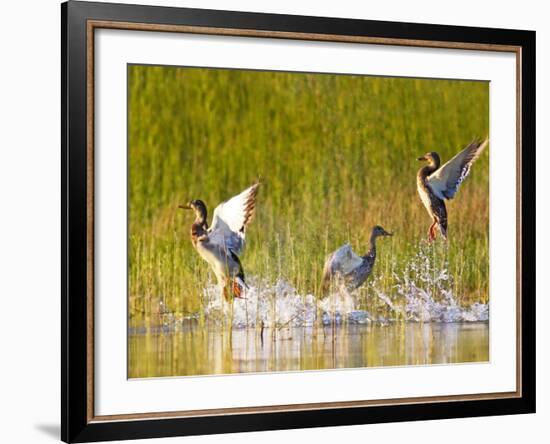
{"points": [[185, 206], [386, 233], [421, 158]]}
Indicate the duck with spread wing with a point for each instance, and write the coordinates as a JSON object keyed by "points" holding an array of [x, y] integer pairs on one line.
{"points": [[221, 245], [436, 184], [346, 267]]}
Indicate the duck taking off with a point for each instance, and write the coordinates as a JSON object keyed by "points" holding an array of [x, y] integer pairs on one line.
{"points": [[436, 184], [222, 243], [349, 268]]}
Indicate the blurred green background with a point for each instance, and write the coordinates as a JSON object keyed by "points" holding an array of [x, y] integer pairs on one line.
{"points": [[336, 154]]}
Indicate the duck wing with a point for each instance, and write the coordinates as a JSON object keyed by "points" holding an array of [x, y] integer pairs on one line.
{"points": [[342, 261], [446, 180], [231, 218]]}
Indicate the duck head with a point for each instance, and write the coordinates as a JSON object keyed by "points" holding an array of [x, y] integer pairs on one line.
{"points": [[198, 206], [432, 158], [379, 231]]}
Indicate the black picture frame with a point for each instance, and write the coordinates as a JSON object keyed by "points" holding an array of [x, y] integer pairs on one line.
{"points": [[76, 423]]}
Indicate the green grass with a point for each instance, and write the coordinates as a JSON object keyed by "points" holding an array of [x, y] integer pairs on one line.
{"points": [[336, 154]]}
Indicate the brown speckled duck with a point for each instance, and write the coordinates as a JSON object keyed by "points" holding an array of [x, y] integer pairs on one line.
{"points": [[349, 268], [436, 184], [222, 243]]}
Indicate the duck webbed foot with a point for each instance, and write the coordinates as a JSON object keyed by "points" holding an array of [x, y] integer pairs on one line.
{"points": [[237, 290], [232, 289]]}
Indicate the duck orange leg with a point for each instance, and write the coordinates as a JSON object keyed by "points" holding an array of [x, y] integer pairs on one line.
{"points": [[431, 232], [237, 290], [231, 290]]}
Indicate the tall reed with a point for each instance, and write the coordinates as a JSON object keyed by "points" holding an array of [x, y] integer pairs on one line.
{"points": [[336, 154]]}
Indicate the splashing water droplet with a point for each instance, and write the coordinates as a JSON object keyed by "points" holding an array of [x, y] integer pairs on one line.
{"points": [[422, 292]]}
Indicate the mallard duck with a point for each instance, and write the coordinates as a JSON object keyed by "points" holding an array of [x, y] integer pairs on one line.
{"points": [[436, 184], [346, 266], [222, 243]]}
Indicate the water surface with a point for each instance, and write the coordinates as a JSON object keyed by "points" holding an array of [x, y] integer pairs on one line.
{"points": [[208, 351]]}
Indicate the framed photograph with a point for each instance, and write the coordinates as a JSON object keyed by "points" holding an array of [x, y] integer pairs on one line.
{"points": [[276, 221]]}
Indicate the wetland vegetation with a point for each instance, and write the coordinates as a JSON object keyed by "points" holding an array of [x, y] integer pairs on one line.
{"points": [[336, 155]]}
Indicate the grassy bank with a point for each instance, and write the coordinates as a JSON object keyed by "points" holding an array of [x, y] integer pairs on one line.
{"points": [[336, 154]]}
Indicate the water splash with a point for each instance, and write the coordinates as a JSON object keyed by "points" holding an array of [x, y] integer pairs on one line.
{"points": [[425, 288], [270, 305], [422, 292]]}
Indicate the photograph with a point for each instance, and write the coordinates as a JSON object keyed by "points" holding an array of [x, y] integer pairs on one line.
{"points": [[294, 220], [304, 221]]}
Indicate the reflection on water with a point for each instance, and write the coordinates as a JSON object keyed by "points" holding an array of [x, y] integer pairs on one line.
{"points": [[203, 351]]}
